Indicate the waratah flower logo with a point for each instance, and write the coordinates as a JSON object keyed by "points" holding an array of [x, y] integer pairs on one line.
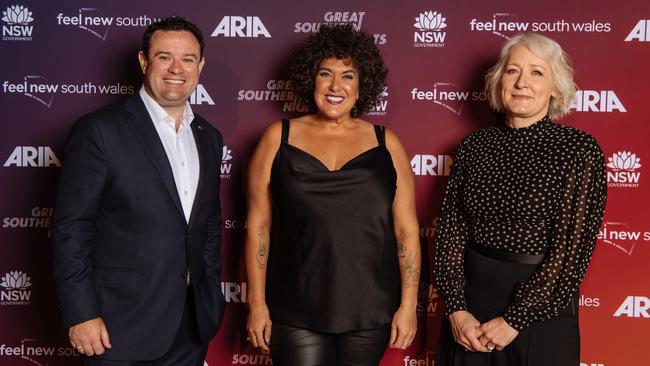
{"points": [[624, 160], [17, 14], [16, 280], [430, 21], [226, 154], [384, 93]]}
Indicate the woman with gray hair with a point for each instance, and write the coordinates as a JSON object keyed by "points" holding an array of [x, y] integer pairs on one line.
{"points": [[522, 208]]}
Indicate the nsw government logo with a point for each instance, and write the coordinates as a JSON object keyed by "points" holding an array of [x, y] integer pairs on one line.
{"points": [[226, 165], [428, 300], [622, 170], [17, 27], [15, 285], [430, 25], [379, 109]]}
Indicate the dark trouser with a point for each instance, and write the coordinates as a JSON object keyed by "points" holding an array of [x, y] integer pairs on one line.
{"points": [[292, 346], [490, 285], [186, 350]]}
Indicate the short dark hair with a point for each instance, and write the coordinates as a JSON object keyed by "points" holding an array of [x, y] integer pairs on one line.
{"points": [[173, 23], [341, 41]]}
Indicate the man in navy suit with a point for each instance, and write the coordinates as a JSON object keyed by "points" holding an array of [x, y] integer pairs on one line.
{"points": [[137, 220]]}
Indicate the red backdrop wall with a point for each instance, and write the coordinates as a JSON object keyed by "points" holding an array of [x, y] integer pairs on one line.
{"points": [[63, 59]]}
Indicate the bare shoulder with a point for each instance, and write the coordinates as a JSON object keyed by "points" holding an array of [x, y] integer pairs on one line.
{"points": [[393, 142], [273, 130], [271, 137]]}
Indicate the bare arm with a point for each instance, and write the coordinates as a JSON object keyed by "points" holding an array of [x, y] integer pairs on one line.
{"points": [[408, 245], [258, 234]]}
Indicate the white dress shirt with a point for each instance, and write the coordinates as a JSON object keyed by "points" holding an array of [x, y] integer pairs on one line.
{"points": [[180, 147]]}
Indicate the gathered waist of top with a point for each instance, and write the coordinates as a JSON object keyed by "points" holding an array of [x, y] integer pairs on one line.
{"points": [[505, 255]]}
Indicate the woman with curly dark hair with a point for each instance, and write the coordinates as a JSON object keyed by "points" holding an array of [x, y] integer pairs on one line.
{"points": [[331, 217]]}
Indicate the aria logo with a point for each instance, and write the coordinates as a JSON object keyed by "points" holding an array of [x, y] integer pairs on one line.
{"points": [[15, 291], [17, 19], [430, 25], [597, 101], [32, 157], [237, 26], [226, 166], [435, 165], [623, 166], [634, 307], [233, 291], [200, 96], [380, 108], [641, 32]]}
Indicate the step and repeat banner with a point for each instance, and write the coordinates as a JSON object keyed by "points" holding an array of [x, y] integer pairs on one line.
{"points": [[62, 59]]}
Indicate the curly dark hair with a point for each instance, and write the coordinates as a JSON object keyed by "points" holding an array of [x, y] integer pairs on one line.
{"points": [[173, 23], [341, 41]]}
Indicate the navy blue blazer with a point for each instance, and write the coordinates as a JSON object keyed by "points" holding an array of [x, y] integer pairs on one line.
{"points": [[120, 239]]}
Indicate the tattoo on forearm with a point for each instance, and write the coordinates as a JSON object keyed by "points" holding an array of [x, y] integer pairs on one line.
{"points": [[401, 251], [261, 253], [409, 269]]}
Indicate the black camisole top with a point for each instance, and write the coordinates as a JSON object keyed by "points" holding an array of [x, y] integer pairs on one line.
{"points": [[333, 258]]}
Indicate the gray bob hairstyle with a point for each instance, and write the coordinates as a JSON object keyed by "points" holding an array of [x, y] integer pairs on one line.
{"points": [[551, 52]]}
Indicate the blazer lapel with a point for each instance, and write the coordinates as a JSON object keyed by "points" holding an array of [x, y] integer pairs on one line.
{"points": [[203, 147], [139, 120]]}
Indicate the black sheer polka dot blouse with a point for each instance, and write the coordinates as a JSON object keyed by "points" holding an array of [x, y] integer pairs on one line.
{"points": [[534, 190]]}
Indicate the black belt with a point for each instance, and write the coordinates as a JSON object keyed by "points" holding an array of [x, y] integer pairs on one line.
{"points": [[507, 256]]}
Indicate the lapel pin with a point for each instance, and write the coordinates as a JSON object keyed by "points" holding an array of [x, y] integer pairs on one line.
{"points": [[199, 127]]}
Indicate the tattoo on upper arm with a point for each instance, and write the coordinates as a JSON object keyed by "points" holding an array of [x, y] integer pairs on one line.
{"points": [[261, 253]]}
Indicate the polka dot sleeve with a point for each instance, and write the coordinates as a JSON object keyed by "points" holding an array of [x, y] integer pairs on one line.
{"points": [[451, 239], [572, 241]]}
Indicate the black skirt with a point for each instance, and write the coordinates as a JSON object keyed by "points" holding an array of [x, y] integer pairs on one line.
{"points": [[491, 283]]}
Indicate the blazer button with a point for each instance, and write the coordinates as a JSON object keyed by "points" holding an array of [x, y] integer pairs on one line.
{"points": [[184, 275], [188, 236]]}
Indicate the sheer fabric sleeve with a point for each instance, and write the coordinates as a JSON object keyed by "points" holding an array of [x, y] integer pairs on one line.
{"points": [[571, 245], [451, 238]]}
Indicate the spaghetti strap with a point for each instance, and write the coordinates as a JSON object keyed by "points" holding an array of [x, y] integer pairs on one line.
{"points": [[380, 132], [285, 131]]}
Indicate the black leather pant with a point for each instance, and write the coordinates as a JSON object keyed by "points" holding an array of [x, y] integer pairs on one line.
{"points": [[292, 346]]}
